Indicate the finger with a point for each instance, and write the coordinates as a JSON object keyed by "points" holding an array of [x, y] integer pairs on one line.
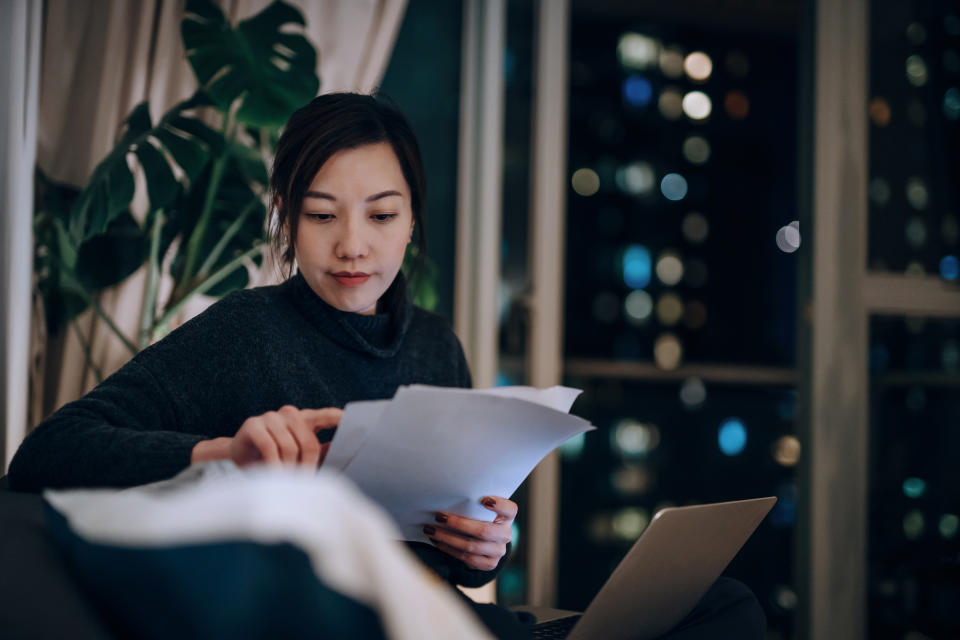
{"points": [[304, 436], [505, 509], [278, 430], [466, 544], [308, 444], [321, 418], [481, 563], [242, 449], [266, 445], [490, 531]]}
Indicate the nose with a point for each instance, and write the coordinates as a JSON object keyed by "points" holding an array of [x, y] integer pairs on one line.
{"points": [[351, 241]]}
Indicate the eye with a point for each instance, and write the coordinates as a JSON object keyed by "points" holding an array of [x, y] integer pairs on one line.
{"points": [[319, 217], [383, 217]]}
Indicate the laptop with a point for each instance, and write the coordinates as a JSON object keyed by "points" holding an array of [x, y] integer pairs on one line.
{"points": [[663, 576]]}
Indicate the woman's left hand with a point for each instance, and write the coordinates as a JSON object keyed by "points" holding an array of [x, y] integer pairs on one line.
{"points": [[479, 544]]}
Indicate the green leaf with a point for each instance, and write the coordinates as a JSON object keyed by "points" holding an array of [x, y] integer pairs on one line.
{"points": [[271, 72], [66, 250], [250, 163], [135, 125], [233, 198], [189, 155], [237, 280], [196, 129], [53, 199], [111, 257], [189, 144], [424, 283], [189, 141], [162, 186], [90, 214], [119, 186], [250, 234], [52, 203]]}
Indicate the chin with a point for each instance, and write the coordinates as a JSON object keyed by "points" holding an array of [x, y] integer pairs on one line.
{"points": [[357, 304], [362, 308]]}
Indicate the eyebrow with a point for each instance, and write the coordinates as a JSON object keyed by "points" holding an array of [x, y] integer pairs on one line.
{"points": [[326, 196]]}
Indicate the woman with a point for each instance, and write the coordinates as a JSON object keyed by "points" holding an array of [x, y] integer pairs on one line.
{"points": [[263, 372], [258, 374]]}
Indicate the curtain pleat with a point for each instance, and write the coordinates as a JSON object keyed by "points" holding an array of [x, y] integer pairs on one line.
{"points": [[20, 33]]}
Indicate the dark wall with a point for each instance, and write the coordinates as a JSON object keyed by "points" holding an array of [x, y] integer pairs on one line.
{"points": [[423, 79]]}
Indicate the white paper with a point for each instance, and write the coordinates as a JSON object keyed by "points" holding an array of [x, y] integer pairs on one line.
{"points": [[443, 449], [556, 397], [358, 419]]}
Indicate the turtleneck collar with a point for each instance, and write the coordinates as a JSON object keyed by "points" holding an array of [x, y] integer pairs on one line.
{"points": [[379, 335]]}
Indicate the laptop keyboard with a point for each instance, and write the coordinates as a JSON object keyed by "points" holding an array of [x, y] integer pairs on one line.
{"points": [[558, 628]]}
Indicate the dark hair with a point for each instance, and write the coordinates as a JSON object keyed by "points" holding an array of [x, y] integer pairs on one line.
{"points": [[328, 124]]}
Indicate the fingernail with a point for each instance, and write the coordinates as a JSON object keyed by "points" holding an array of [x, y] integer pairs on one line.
{"points": [[441, 518], [489, 502], [429, 530]]}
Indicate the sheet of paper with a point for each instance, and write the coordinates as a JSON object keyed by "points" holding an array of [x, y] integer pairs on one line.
{"points": [[556, 397], [358, 420], [445, 449]]}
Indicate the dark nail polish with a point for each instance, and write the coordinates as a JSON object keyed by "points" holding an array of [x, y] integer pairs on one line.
{"points": [[429, 530], [441, 518], [489, 502]]}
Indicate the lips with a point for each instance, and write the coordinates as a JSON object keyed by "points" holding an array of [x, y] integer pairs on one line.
{"points": [[348, 279]]}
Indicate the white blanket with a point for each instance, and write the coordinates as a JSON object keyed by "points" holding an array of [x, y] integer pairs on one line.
{"points": [[352, 544]]}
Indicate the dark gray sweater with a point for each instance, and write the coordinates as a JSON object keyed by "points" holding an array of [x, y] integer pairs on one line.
{"points": [[253, 351]]}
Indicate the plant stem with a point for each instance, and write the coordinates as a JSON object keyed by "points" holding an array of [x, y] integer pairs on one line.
{"points": [[207, 284], [222, 242], [106, 318], [86, 350], [75, 286], [193, 245], [91, 300], [149, 310], [196, 238]]}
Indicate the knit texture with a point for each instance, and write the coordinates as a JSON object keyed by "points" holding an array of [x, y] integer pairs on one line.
{"points": [[254, 351]]}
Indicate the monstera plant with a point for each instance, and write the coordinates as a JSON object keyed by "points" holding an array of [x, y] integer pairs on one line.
{"points": [[206, 184]]}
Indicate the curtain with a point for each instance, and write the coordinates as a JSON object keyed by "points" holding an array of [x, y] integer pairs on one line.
{"points": [[102, 58], [20, 22]]}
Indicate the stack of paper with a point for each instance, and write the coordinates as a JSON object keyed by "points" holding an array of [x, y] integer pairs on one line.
{"points": [[435, 449]]}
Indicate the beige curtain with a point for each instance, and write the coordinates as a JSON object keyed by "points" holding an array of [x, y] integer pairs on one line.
{"points": [[102, 58], [20, 35]]}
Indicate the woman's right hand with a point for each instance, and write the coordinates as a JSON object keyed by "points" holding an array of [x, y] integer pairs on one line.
{"points": [[286, 436]]}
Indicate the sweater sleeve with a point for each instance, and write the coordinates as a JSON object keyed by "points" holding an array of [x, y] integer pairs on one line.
{"points": [[140, 425], [124, 432]]}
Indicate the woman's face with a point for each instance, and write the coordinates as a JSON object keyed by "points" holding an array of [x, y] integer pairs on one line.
{"points": [[354, 227]]}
